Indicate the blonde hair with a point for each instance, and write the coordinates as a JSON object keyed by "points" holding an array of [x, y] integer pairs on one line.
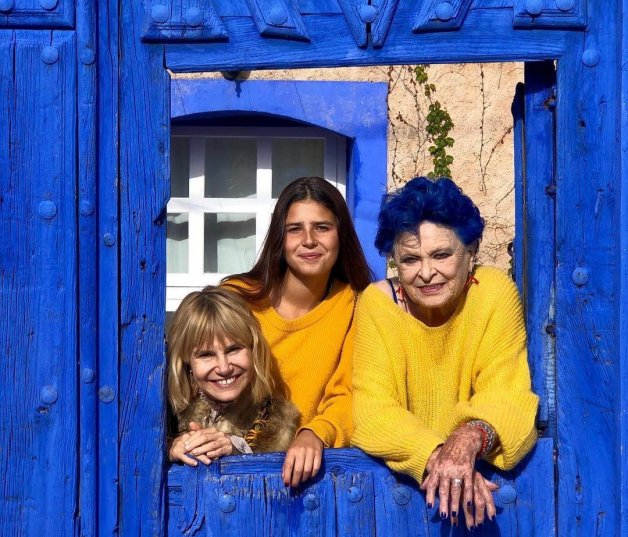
{"points": [[202, 316]]}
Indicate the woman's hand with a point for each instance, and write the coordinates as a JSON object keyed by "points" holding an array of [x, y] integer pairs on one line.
{"points": [[200, 444], [303, 458], [451, 472], [482, 501]]}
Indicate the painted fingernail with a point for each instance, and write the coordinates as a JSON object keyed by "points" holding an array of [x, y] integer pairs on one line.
{"points": [[429, 505], [443, 515], [479, 525], [468, 504], [454, 513], [493, 518]]}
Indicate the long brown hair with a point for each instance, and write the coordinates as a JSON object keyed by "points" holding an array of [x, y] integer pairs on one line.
{"points": [[267, 274]]}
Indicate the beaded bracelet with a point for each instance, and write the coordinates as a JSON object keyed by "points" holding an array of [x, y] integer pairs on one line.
{"points": [[489, 436]]}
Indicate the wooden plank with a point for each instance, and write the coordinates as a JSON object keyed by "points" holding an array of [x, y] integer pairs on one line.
{"points": [[87, 273], [355, 503], [107, 381], [518, 115], [487, 35], [278, 18], [622, 229], [144, 138], [435, 15], [550, 14], [538, 231], [587, 265], [369, 498], [38, 272], [37, 14]]}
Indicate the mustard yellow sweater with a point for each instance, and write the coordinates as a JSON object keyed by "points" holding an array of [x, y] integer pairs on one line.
{"points": [[414, 384], [314, 357]]}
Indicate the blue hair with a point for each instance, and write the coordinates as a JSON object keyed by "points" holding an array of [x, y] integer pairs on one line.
{"points": [[440, 201]]}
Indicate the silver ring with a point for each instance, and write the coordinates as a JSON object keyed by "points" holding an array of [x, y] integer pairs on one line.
{"points": [[457, 482]]}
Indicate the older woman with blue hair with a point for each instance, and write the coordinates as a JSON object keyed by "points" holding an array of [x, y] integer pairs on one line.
{"points": [[440, 371]]}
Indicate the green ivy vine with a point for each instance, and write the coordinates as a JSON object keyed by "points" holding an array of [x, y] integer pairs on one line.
{"points": [[438, 126]]}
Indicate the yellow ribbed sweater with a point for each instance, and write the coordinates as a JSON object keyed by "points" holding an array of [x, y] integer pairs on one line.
{"points": [[314, 357], [414, 384]]}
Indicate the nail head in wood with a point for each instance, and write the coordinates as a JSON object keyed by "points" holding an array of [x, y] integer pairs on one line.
{"points": [[368, 13], [48, 395], [591, 57], [226, 503], [160, 13], [193, 17], [49, 54], [534, 7], [444, 11], [6, 5], [48, 5]]}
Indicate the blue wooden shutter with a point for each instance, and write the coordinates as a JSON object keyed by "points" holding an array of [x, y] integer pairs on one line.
{"points": [[535, 192], [38, 267]]}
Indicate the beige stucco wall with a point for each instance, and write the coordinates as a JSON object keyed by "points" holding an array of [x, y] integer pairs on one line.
{"points": [[478, 97]]}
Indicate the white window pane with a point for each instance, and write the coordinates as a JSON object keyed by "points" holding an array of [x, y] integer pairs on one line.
{"points": [[229, 242], [177, 234], [230, 167], [179, 167], [294, 158]]}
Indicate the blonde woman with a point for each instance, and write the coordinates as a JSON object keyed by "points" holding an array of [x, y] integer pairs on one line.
{"points": [[222, 383]]}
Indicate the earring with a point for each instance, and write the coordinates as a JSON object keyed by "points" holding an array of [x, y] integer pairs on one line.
{"points": [[471, 279]]}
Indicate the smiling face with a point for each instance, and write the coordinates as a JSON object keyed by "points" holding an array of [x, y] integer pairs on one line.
{"points": [[311, 240], [433, 267], [222, 370]]}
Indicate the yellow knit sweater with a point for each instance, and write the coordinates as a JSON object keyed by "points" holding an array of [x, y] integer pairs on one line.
{"points": [[414, 384], [314, 357]]}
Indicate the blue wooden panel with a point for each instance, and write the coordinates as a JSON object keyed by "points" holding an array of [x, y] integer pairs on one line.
{"points": [[622, 276], [535, 230], [487, 35], [87, 276], [357, 495], [38, 278], [518, 115], [587, 263], [352, 109], [107, 380], [278, 18], [436, 15], [550, 14], [144, 145], [37, 13], [354, 11], [180, 20], [381, 25]]}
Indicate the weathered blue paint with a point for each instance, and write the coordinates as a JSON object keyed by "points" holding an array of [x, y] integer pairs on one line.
{"points": [[246, 492], [355, 110], [108, 285], [144, 139], [44, 14], [86, 12], [38, 291], [535, 227], [621, 284], [56, 174]]}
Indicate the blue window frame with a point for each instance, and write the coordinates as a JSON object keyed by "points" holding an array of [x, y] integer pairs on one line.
{"points": [[354, 110]]}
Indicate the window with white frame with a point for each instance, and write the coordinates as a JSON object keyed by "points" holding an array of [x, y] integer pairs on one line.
{"points": [[224, 185]]}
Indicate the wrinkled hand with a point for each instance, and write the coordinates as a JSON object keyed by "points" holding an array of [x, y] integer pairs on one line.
{"points": [[200, 444], [303, 458], [451, 472], [482, 501]]}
